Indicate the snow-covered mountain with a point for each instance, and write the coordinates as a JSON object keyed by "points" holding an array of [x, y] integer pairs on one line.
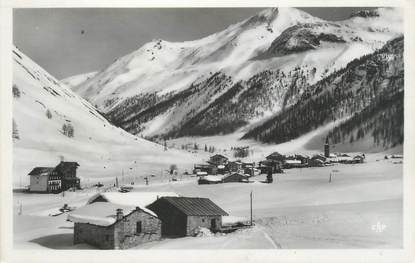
{"points": [[233, 78], [368, 94], [50, 121]]}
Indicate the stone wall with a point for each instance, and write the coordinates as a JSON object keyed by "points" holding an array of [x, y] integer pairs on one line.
{"points": [[98, 236], [193, 222], [126, 235]]}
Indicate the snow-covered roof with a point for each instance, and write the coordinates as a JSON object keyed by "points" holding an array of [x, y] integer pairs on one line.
{"points": [[42, 170], [212, 178], [344, 158], [293, 161], [99, 213], [140, 199]]}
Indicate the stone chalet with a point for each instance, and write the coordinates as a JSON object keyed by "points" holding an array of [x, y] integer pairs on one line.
{"points": [[54, 179], [110, 226], [114, 220]]}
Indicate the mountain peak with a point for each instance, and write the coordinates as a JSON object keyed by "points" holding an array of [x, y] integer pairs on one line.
{"points": [[269, 13], [283, 14]]}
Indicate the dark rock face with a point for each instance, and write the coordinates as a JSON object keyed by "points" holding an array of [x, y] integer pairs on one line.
{"points": [[368, 92], [365, 13], [300, 38]]}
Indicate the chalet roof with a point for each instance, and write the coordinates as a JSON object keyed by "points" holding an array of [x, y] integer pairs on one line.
{"points": [[196, 206], [293, 161], [99, 213], [212, 178], [41, 170], [319, 156], [220, 156], [140, 199], [236, 173], [275, 154], [66, 164]]}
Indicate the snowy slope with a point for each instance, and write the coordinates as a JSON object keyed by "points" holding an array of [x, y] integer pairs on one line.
{"points": [[163, 69], [42, 106], [74, 81]]}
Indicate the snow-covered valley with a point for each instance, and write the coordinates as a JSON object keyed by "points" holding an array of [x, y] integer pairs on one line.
{"points": [[277, 91], [301, 209]]}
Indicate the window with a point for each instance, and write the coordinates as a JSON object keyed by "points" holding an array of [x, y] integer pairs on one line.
{"points": [[107, 237], [138, 227], [203, 220]]}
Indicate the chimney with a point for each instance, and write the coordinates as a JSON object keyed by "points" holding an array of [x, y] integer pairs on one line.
{"points": [[137, 208], [61, 158], [120, 214]]}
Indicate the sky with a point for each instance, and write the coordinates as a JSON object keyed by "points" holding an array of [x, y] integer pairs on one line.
{"points": [[71, 41]]}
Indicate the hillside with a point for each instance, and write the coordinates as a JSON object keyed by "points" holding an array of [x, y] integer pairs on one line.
{"points": [[50, 122], [234, 78], [368, 93], [74, 81]]}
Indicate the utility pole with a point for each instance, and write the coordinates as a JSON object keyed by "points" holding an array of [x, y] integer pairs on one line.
{"points": [[122, 175], [20, 212], [251, 205]]}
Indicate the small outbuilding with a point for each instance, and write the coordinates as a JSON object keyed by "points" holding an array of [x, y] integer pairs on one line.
{"points": [[218, 159], [210, 179], [236, 178], [183, 216], [315, 163], [276, 156], [207, 168], [293, 163]]}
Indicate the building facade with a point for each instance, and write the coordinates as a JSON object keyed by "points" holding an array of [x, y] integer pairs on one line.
{"points": [[54, 179], [218, 159]]}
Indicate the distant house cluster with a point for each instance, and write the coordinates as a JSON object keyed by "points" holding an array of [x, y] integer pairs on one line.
{"points": [[276, 161], [220, 170], [115, 220], [54, 179]]}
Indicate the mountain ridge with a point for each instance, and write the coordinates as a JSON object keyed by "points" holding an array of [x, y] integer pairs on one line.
{"points": [[154, 77]]}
